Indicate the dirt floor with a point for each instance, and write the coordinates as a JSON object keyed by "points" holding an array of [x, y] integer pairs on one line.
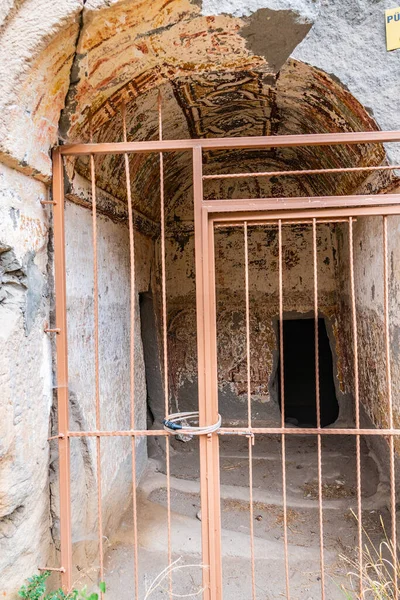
{"points": [[340, 526]]}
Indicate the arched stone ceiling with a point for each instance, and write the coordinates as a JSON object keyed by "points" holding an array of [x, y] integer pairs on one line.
{"points": [[219, 76], [237, 103], [86, 57]]}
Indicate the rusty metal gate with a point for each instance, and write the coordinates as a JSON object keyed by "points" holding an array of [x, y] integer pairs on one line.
{"points": [[209, 214]]}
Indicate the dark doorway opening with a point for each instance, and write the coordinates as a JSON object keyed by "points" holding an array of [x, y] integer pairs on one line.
{"points": [[299, 374], [151, 355]]}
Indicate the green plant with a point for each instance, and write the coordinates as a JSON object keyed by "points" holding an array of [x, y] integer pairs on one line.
{"points": [[35, 589]]}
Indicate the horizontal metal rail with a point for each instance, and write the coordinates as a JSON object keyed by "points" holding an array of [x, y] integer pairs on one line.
{"points": [[308, 202], [308, 431], [274, 222], [272, 214], [241, 431], [302, 172], [282, 141]]}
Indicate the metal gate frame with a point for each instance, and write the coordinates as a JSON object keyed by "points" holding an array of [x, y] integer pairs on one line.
{"points": [[207, 214]]}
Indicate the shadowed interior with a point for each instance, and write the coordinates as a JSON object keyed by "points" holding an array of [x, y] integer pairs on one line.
{"points": [[300, 377]]}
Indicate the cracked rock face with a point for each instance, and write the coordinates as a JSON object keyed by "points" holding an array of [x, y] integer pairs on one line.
{"points": [[25, 380]]}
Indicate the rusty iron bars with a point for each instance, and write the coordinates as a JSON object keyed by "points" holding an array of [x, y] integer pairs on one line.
{"points": [[207, 216], [260, 142], [318, 431], [302, 172]]}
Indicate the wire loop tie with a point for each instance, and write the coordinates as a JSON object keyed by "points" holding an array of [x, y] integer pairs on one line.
{"points": [[179, 423]]}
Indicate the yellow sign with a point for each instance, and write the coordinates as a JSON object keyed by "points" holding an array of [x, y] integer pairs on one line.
{"points": [[392, 17]]}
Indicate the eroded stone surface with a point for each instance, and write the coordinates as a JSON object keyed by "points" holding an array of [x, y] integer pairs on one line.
{"points": [[37, 47], [307, 10], [264, 302], [369, 282], [350, 37], [26, 383], [114, 372]]}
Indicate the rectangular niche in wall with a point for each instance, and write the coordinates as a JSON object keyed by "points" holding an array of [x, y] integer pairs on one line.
{"points": [[299, 374]]}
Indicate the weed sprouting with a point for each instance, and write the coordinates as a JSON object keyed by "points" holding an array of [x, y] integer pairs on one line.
{"points": [[377, 571], [35, 589]]}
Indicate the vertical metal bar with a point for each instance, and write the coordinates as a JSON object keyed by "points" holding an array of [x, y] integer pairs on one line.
{"points": [[318, 407], [390, 405], [96, 362], [249, 417], [62, 371], [282, 371], [357, 403], [315, 269], [135, 526], [251, 516], [212, 386], [132, 354], [200, 296], [165, 342], [246, 281], [207, 388], [169, 545], [281, 348]]}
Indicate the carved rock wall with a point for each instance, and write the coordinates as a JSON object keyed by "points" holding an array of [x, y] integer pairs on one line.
{"points": [[298, 290], [26, 393], [114, 374]]}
